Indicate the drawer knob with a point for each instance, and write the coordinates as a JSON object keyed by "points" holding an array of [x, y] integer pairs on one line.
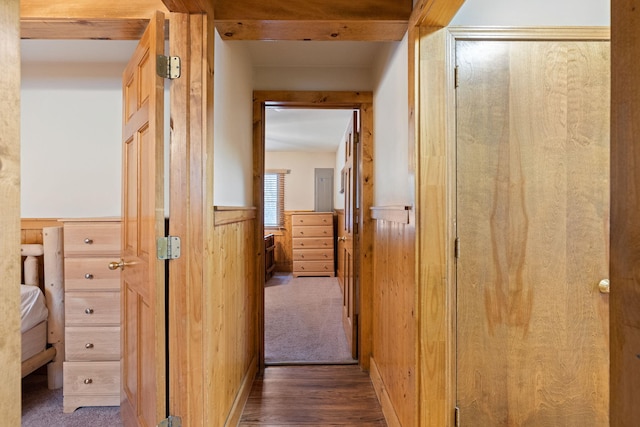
{"points": [[88, 345], [88, 276], [88, 381], [88, 310], [88, 241]]}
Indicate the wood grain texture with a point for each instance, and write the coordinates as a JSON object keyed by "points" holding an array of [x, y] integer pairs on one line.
{"points": [[625, 215], [283, 250], [533, 212], [31, 228], [312, 396], [85, 19], [232, 348], [434, 13], [435, 186], [191, 189], [229, 215], [10, 211], [395, 328]]}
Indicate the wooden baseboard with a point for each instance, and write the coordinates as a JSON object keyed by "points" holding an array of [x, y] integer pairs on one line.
{"points": [[383, 397], [243, 394]]}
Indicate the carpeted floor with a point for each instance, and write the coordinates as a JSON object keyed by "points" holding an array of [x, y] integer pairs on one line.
{"points": [[42, 407], [303, 321]]}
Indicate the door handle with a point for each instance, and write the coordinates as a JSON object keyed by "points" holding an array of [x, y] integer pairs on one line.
{"points": [[604, 286], [342, 239], [114, 265]]}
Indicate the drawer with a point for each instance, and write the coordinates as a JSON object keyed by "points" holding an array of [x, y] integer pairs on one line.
{"points": [[313, 243], [92, 308], [86, 343], [313, 255], [313, 266], [83, 274], [312, 231], [91, 238], [312, 219], [91, 378]]}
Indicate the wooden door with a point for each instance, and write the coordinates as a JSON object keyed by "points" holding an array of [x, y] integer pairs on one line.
{"points": [[533, 224], [347, 236], [143, 367]]}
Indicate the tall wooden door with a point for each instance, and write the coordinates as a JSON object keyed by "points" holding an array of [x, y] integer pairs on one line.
{"points": [[533, 229], [346, 235], [143, 367]]}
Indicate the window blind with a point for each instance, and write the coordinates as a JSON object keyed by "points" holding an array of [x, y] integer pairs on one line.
{"points": [[274, 199]]}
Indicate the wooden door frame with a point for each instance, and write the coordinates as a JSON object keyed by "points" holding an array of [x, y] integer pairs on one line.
{"points": [[436, 209], [362, 101]]}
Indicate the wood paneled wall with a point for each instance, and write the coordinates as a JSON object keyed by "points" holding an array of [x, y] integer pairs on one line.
{"points": [[231, 347], [31, 228], [625, 215], [282, 238], [394, 361]]}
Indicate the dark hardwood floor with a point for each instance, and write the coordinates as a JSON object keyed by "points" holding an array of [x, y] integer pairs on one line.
{"points": [[320, 395]]}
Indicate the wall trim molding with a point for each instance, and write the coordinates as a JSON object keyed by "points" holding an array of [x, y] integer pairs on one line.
{"points": [[399, 214], [531, 33], [228, 215]]}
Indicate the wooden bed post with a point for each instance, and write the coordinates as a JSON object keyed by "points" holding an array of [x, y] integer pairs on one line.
{"points": [[54, 296]]}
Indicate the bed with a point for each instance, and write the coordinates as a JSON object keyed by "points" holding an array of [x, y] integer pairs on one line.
{"points": [[42, 306]]}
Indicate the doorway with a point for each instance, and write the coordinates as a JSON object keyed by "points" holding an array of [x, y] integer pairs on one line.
{"points": [[328, 100]]}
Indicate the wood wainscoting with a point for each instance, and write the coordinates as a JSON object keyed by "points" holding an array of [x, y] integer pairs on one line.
{"points": [[394, 360], [231, 354], [31, 229]]}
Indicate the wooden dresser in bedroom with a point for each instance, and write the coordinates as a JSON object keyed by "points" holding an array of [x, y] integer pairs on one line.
{"points": [[312, 241], [92, 313]]}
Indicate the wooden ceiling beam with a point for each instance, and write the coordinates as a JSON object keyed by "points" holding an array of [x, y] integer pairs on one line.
{"points": [[366, 20], [434, 13], [86, 19]]}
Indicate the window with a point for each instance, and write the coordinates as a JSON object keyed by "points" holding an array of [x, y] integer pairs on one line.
{"points": [[274, 199]]}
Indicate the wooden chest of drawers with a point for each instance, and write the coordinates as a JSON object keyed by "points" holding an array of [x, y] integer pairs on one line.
{"points": [[312, 240], [92, 313]]}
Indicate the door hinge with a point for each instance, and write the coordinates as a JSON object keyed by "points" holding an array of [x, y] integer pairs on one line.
{"points": [[456, 417], [356, 137], [168, 247], [456, 80], [171, 421], [355, 228], [456, 248], [168, 67]]}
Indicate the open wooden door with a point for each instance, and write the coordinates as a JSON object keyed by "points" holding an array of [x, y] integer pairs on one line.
{"points": [[533, 229], [143, 366], [347, 236]]}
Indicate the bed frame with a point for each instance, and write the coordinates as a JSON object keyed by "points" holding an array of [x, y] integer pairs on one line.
{"points": [[50, 251]]}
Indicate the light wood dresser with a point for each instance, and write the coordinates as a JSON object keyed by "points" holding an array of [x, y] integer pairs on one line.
{"points": [[92, 313], [312, 241]]}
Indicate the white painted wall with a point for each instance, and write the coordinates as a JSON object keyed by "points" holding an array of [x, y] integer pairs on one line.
{"points": [[312, 78], [393, 185], [299, 184], [71, 153], [534, 13], [233, 129], [338, 198]]}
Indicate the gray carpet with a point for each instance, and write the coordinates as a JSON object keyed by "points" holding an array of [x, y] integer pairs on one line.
{"points": [[42, 407], [303, 321]]}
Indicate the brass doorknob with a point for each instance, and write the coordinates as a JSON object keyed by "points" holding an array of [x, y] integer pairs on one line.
{"points": [[114, 265], [342, 239], [603, 286]]}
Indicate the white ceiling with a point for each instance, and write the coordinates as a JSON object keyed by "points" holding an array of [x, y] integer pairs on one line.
{"points": [[286, 129]]}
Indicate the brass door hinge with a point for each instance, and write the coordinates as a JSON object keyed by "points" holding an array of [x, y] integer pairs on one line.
{"points": [[457, 417]]}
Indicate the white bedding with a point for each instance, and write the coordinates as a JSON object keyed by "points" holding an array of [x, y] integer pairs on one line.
{"points": [[32, 308]]}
